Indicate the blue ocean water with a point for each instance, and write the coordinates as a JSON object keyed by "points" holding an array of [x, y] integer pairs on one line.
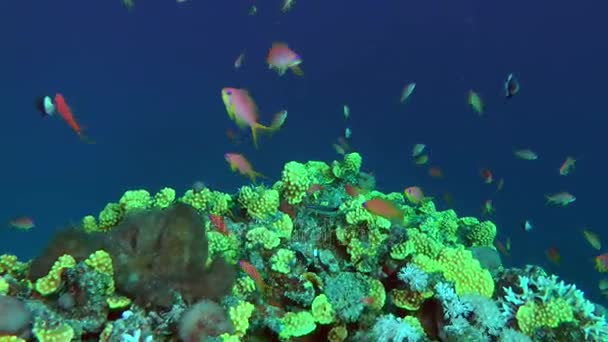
{"points": [[146, 85]]}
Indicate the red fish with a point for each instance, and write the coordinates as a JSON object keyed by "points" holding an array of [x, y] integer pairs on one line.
{"points": [[436, 172], [243, 111], [66, 113], [553, 255], [384, 208], [314, 188], [219, 223], [240, 163], [22, 223], [487, 176], [352, 190], [251, 271], [601, 262], [281, 57]]}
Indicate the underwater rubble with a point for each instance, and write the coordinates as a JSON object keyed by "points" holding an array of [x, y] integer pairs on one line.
{"points": [[305, 259]]}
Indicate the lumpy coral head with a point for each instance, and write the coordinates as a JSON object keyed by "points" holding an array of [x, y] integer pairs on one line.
{"points": [[159, 252]]}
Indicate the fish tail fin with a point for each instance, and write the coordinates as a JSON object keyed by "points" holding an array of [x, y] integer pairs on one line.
{"points": [[255, 175], [297, 70], [254, 132]]}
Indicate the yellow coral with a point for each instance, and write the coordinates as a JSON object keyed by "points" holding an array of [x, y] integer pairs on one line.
{"points": [[283, 226], [9, 264], [282, 260], [223, 245], [338, 333], [164, 198], [460, 267], [243, 287], [532, 316], [422, 243], [409, 299], [260, 203], [295, 182], [226, 337], [62, 333], [322, 311], [215, 202], [135, 200], [239, 315], [297, 324], [110, 216], [263, 236], [402, 250], [349, 167], [51, 282], [89, 224], [482, 234], [4, 286], [101, 262], [377, 294], [11, 339], [118, 302]]}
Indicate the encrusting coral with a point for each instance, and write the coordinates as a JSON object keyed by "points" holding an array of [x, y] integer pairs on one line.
{"points": [[301, 258]]}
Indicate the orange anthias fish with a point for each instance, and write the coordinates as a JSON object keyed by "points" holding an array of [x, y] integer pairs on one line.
{"points": [[601, 262], [240, 163], [243, 111], [219, 223], [384, 208], [251, 271], [593, 239], [281, 57], [414, 194], [502, 248], [487, 176], [66, 113], [436, 172], [567, 166], [553, 255], [22, 223]]}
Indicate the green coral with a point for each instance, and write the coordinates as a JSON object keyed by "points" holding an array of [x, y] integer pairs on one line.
{"points": [[295, 324], [261, 203], [213, 202], [282, 260], [532, 316], [89, 224], [481, 234], [322, 311], [110, 216], [348, 169], [164, 198], [135, 200], [295, 182], [226, 246], [262, 236]]}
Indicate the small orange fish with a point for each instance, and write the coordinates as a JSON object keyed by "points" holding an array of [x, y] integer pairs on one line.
{"points": [[593, 239], [66, 113], [501, 248], [488, 208], [384, 208], [281, 57], [219, 223], [314, 188], [240, 163], [278, 120], [352, 190], [567, 166], [436, 172], [243, 111], [487, 176], [601, 262], [414, 194], [553, 255], [22, 223], [251, 271]]}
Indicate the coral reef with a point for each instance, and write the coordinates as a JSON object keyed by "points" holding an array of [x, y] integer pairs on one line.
{"points": [[301, 259]]}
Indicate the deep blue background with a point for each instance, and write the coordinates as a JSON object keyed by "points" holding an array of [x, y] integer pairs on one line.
{"points": [[147, 86]]}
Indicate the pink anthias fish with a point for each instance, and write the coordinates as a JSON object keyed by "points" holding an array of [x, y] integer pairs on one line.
{"points": [[238, 162], [281, 57], [414, 194], [243, 111]]}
